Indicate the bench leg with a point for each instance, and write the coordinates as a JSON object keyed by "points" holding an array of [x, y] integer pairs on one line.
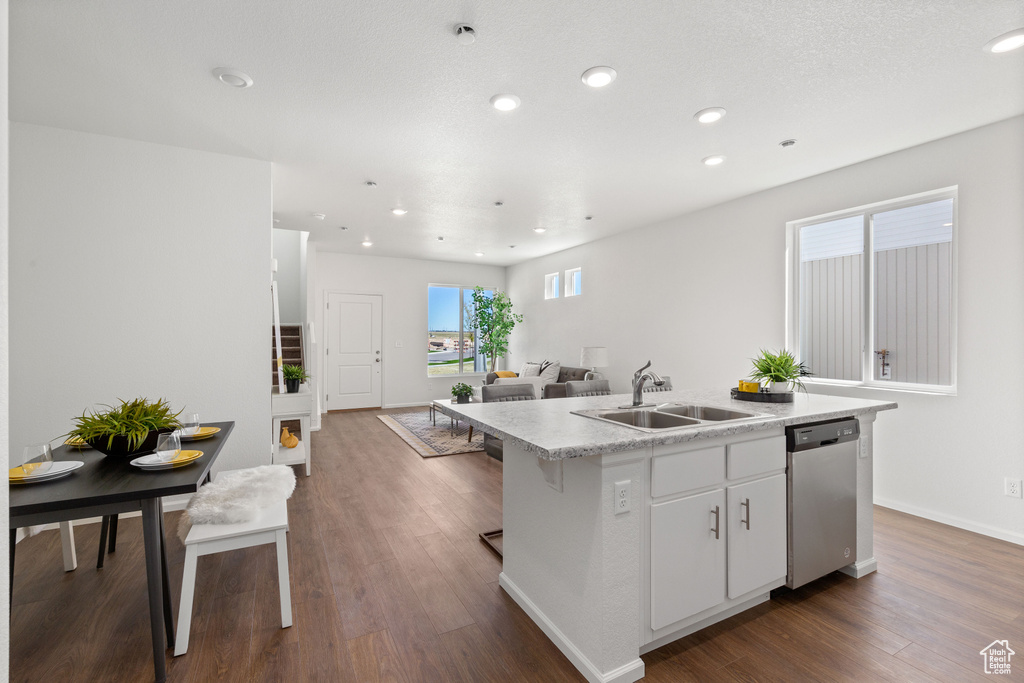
{"points": [[67, 544], [188, 588], [283, 581]]}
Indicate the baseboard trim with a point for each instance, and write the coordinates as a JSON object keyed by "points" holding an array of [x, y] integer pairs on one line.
{"points": [[627, 673], [960, 523], [859, 569]]}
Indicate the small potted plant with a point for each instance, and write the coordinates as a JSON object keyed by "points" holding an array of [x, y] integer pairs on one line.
{"points": [[127, 429], [293, 376], [779, 371], [462, 392]]}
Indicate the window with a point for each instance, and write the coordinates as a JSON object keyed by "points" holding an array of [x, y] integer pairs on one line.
{"points": [[574, 282], [451, 346], [888, 320], [551, 286]]}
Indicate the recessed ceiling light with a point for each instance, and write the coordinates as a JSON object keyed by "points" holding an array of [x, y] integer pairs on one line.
{"points": [[370, 183], [232, 77], [599, 76], [499, 203], [709, 115], [478, 253], [588, 218], [1006, 42], [465, 34], [505, 102], [367, 243], [319, 216], [511, 246], [440, 238], [787, 143], [713, 160], [399, 212], [342, 227], [539, 230]]}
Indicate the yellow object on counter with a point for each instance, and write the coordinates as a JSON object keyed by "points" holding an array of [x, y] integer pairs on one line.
{"points": [[750, 387]]}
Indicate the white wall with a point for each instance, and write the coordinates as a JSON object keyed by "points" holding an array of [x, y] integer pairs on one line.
{"points": [[403, 284], [287, 249], [5, 627], [700, 294], [138, 270]]}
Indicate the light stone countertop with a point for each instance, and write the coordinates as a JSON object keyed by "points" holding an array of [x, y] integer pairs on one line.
{"points": [[550, 430]]}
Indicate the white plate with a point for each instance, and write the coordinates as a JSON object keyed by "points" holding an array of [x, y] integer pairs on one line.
{"points": [[60, 468], [153, 462]]}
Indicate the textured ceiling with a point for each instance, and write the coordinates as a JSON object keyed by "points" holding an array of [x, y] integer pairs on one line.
{"points": [[347, 92]]}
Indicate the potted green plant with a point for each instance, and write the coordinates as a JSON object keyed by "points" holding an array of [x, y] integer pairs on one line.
{"points": [[294, 375], [127, 429], [780, 371], [492, 319], [462, 392]]}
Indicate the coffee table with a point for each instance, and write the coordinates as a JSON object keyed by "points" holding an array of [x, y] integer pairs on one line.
{"points": [[435, 407]]}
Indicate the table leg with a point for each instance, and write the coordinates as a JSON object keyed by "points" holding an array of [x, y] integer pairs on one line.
{"points": [[151, 536], [168, 608], [14, 544], [67, 544]]}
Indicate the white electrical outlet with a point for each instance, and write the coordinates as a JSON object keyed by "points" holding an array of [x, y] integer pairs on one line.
{"points": [[1011, 487], [621, 500]]}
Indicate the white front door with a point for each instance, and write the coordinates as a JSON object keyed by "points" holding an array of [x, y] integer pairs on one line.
{"points": [[352, 352]]}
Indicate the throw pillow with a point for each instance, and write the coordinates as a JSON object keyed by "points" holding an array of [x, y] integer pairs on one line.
{"points": [[505, 373], [530, 370], [549, 372]]}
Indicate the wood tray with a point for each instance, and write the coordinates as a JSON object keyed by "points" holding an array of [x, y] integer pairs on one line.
{"points": [[763, 396]]}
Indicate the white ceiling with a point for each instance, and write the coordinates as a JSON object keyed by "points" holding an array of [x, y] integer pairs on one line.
{"points": [[347, 92]]}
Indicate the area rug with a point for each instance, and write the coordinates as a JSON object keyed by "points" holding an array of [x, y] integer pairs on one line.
{"points": [[417, 430]]}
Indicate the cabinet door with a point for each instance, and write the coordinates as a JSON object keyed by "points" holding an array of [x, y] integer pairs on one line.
{"points": [[687, 560], [757, 534]]}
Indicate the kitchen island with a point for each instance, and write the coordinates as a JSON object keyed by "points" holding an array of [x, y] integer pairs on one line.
{"points": [[618, 541]]}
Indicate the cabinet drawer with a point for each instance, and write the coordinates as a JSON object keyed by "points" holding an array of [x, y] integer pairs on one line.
{"points": [[678, 472], [749, 458]]}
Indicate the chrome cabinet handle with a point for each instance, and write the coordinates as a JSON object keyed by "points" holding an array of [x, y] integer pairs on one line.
{"points": [[717, 525], [746, 504]]}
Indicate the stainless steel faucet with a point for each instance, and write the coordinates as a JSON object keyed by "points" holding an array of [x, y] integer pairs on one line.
{"points": [[639, 380]]}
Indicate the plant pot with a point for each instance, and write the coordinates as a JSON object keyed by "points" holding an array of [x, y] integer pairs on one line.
{"points": [[292, 385], [778, 387], [462, 399], [119, 446]]}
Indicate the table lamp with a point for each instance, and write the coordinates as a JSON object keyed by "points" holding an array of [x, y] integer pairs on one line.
{"points": [[593, 357]]}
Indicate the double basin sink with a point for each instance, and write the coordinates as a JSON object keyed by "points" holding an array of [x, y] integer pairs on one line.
{"points": [[666, 416]]}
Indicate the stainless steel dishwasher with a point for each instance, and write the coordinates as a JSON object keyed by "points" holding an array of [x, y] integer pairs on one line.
{"points": [[821, 487]]}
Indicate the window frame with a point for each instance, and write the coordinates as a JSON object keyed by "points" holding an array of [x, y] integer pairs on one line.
{"points": [[868, 304], [552, 286], [462, 327], [570, 280]]}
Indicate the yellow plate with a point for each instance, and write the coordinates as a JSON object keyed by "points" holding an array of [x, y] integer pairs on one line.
{"points": [[184, 457], [150, 462], [26, 469], [76, 442], [203, 433]]}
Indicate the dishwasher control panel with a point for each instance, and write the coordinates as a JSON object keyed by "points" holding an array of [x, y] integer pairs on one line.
{"points": [[817, 434]]}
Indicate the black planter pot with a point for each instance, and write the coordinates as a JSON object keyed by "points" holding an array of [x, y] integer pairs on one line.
{"points": [[462, 399], [119, 447], [292, 385]]}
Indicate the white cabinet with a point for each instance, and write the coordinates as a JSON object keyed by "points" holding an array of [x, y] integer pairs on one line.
{"points": [[756, 533], [687, 556], [725, 539]]}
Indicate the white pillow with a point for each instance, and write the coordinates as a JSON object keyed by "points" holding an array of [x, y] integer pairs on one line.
{"points": [[530, 370], [549, 372]]}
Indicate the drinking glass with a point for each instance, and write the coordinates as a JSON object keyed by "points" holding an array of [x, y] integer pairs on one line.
{"points": [[38, 458], [191, 425], [168, 446]]}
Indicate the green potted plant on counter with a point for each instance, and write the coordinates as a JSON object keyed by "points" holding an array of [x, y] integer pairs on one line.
{"points": [[462, 392], [127, 429], [294, 375], [779, 371]]}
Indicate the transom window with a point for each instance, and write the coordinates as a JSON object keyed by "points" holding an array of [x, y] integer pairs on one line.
{"points": [[888, 320]]}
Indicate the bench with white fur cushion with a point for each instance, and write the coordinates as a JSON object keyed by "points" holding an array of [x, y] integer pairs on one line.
{"points": [[269, 524]]}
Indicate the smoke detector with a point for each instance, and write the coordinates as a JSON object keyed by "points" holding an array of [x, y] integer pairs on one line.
{"points": [[465, 34]]}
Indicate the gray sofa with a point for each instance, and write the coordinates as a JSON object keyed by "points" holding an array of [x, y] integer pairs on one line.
{"points": [[554, 389]]}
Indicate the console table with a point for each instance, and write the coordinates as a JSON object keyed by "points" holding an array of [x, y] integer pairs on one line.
{"points": [[297, 406]]}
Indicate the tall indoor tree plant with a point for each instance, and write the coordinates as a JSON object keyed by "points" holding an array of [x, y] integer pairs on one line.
{"points": [[492, 319]]}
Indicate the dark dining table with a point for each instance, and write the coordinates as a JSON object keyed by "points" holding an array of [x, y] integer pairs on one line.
{"points": [[111, 485]]}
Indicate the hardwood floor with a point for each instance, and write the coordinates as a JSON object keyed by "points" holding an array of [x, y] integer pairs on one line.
{"points": [[390, 583]]}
